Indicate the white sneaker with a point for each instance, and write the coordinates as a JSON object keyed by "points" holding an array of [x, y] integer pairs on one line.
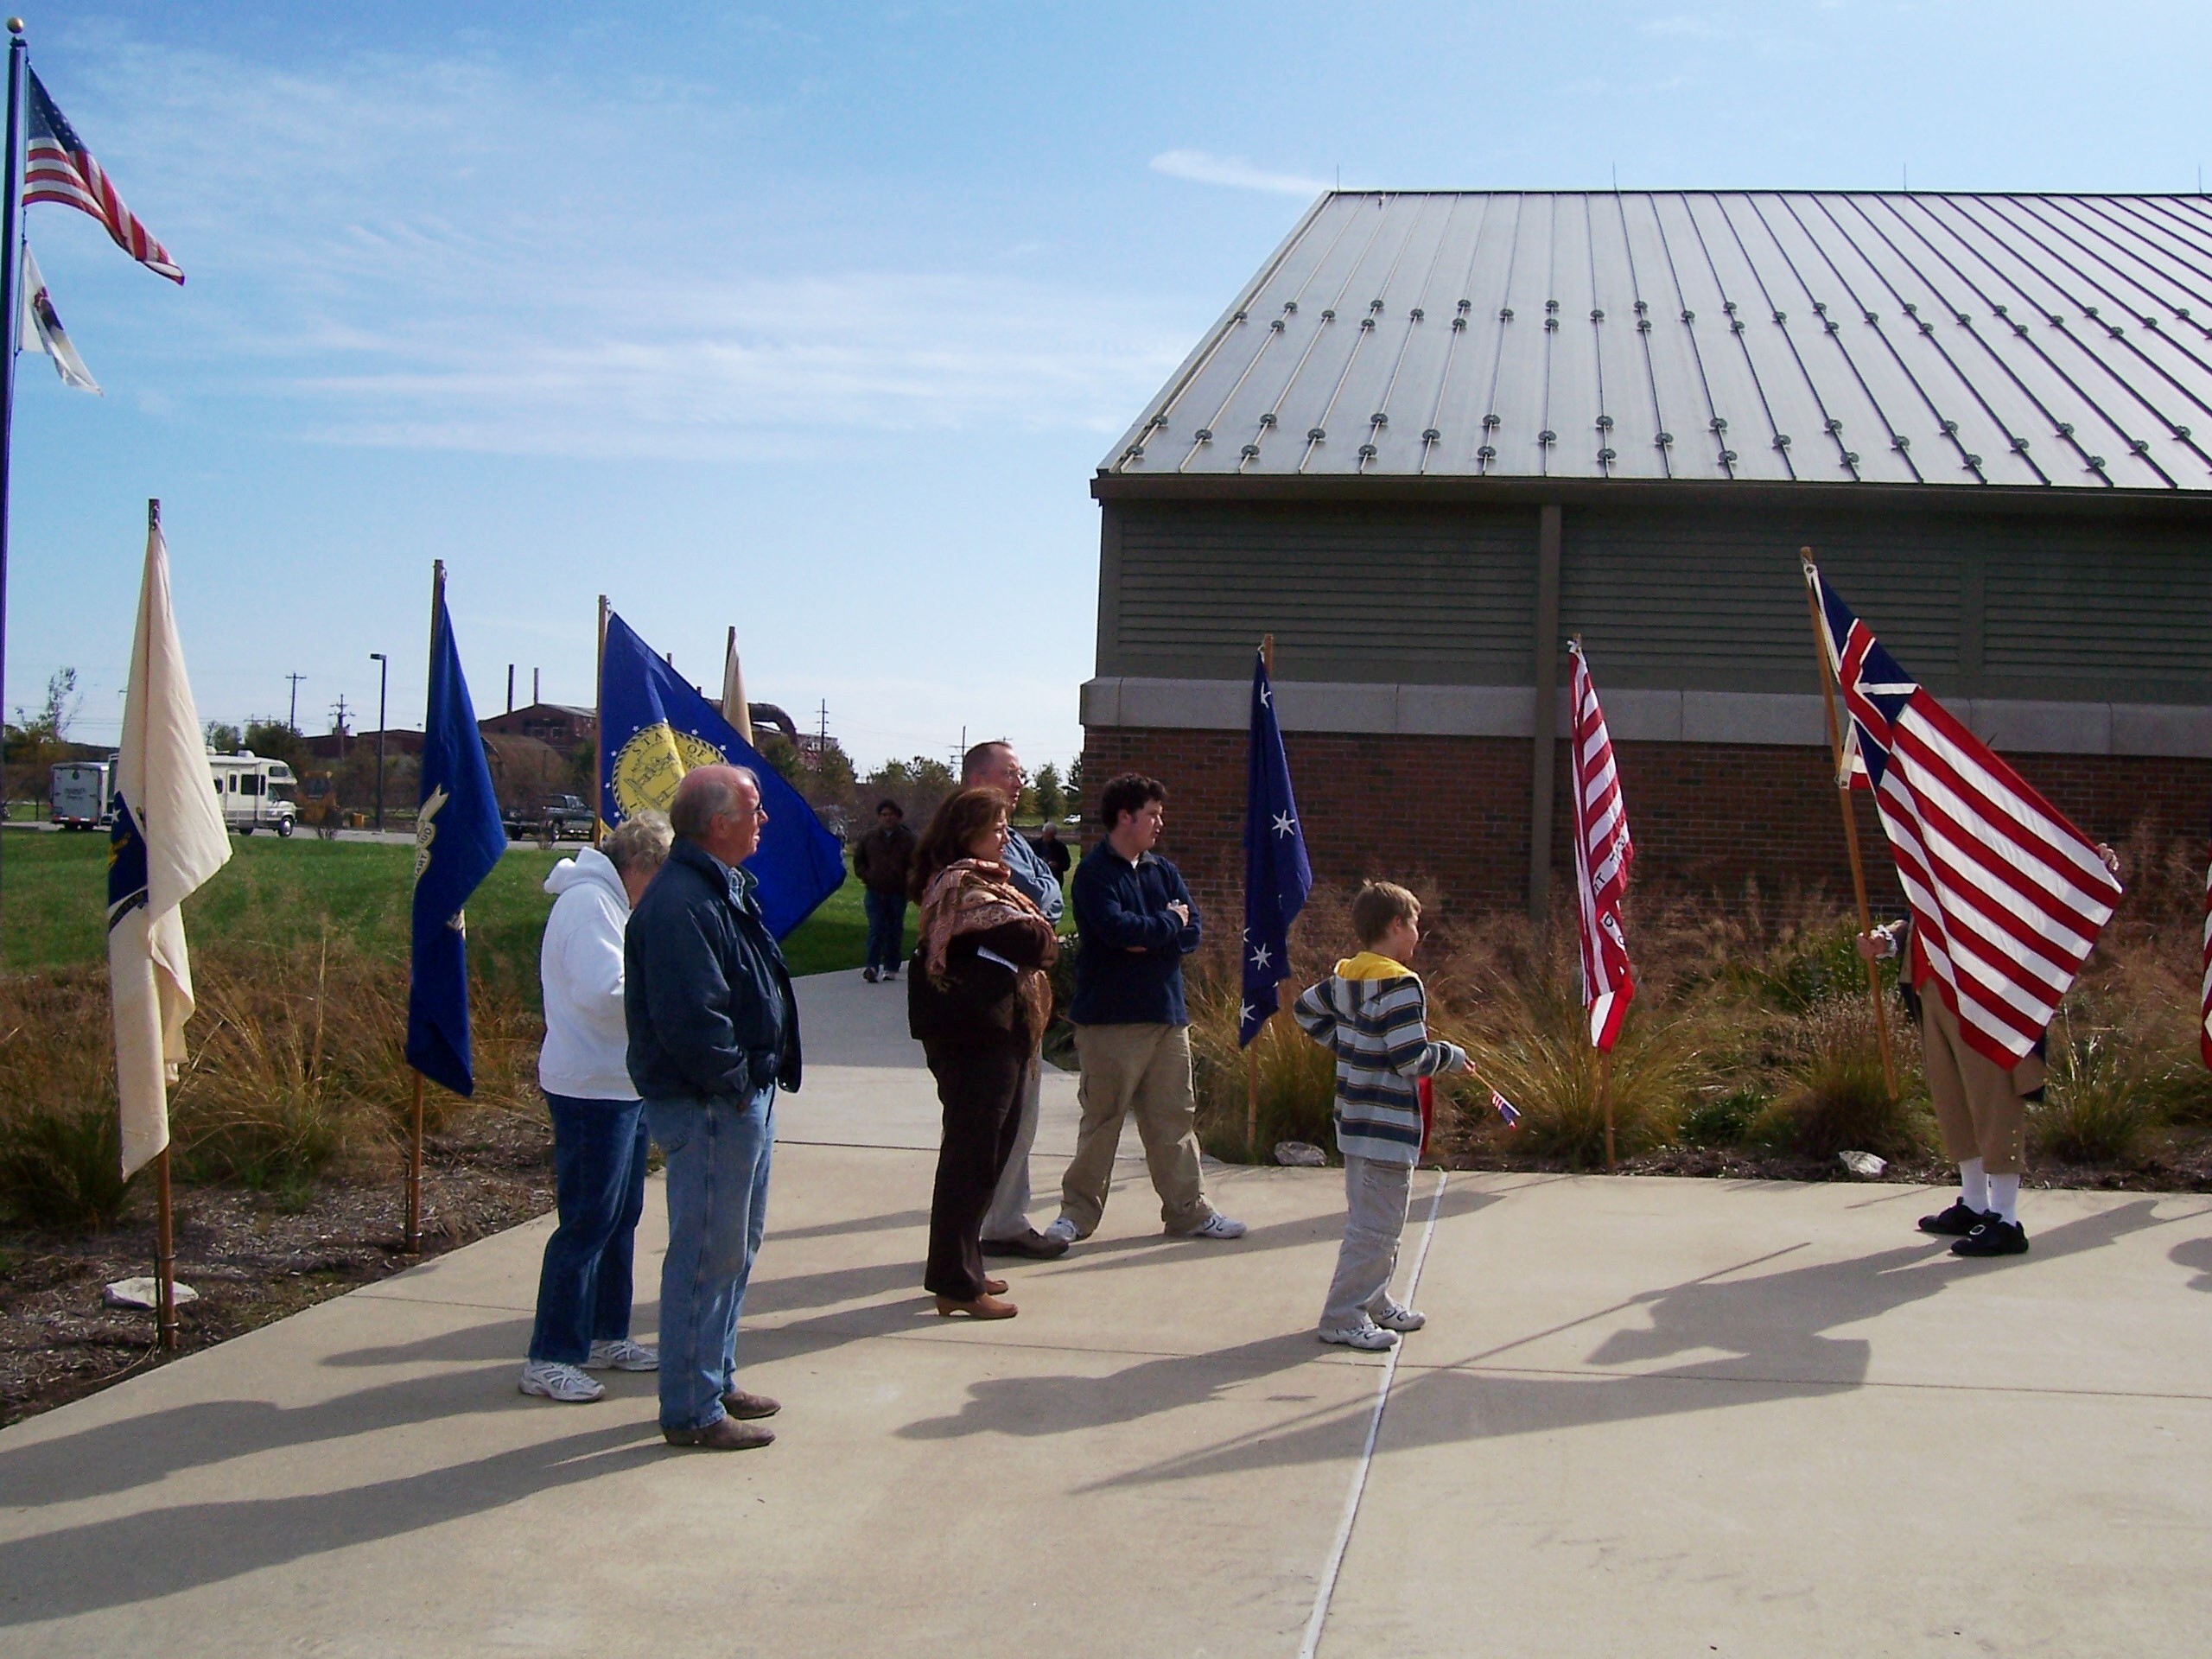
{"points": [[551, 1380], [1062, 1231], [1396, 1317], [1369, 1337], [622, 1355], [1217, 1226]]}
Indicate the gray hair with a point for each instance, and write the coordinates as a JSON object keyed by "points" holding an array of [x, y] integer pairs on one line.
{"points": [[704, 794], [639, 843]]}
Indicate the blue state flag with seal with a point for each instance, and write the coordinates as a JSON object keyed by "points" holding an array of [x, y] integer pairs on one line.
{"points": [[1277, 876], [654, 727], [458, 839]]}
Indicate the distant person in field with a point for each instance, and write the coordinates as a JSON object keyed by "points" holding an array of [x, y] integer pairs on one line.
{"points": [[1373, 1013], [1981, 1108], [714, 1033], [599, 1122], [977, 1002], [1007, 1230], [1053, 850], [1132, 1031], [881, 859]]}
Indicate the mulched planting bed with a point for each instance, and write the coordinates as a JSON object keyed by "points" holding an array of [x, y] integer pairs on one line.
{"points": [[252, 1257]]}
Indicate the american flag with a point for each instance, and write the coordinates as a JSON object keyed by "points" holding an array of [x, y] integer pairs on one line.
{"points": [[2008, 897], [61, 169], [1506, 1109], [2204, 1021], [1602, 853]]}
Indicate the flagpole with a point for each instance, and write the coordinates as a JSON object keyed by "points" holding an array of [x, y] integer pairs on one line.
{"points": [[11, 265], [599, 730], [412, 1239], [1252, 1048], [1605, 1101], [1850, 820], [164, 1219]]}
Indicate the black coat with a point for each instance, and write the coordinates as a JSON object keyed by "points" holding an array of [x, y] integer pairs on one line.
{"points": [[977, 1001], [705, 992]]}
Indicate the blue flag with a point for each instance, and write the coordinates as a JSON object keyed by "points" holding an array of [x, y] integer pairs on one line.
{"points": [[1277, 878], [654, 727], [458, 838]]}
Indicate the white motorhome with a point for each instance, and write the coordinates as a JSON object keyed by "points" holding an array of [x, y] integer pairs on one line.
{"points": [[84, 794], [255, 792]]}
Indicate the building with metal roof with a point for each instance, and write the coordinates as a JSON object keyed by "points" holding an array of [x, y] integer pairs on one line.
{"points": [[1438, 432]]}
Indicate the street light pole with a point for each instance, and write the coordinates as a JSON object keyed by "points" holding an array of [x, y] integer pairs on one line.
{"points": [[384, 679]]}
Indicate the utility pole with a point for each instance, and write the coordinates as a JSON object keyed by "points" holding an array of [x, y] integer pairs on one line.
{"points": [[510, 688], [534, 699], [293, 719], [338, 715], [384, 680]]}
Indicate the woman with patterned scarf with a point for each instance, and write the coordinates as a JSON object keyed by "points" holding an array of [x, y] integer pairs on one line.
{"points": [[977, 999]]}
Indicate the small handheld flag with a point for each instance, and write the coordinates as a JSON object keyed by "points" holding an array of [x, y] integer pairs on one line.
{"points": [[1602, 853], [1277, 876], [2008, 897], [653, 728], [60, 169], [458, 840], [1506, 1109]]}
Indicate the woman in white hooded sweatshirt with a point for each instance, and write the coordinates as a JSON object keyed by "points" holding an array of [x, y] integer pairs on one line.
{"points": [[599, 1124]]}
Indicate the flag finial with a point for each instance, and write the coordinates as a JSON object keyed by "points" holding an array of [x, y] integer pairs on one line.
{"points": [[152, 512], [15, 25]]}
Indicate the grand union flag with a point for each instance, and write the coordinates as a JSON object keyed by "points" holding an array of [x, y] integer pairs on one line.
{"points": [[2008, 897]]}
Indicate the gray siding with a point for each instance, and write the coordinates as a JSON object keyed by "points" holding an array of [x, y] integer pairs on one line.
{"points": [[2106, 609]]}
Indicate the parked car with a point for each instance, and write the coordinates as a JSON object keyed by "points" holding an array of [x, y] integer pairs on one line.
{"points": [[84, 794], [551, 818]]}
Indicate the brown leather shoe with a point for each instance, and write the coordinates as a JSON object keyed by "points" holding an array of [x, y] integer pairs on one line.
{"points": [[723, 1435], [983, 1308], [746, 1406], [1032, 1243], [994, 1287]]}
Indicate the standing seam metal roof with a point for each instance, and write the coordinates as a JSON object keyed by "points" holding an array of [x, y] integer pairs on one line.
{"points": [[1812, 336]]}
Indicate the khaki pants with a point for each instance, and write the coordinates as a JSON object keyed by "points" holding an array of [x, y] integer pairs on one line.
{"points": [[1145, 1070], [1981, 1112]]}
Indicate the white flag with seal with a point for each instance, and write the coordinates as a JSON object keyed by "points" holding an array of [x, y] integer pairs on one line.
{"points": [[168, 838], [40, 330]]}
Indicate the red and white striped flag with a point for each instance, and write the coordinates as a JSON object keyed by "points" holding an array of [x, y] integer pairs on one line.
{"points": [[1602, 852], [2204, 1016], [60, 169], [2008, 897]]}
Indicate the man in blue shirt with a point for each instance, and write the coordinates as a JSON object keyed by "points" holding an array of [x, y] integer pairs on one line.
{"points": [[1132, 1031], [1007, 1230]]}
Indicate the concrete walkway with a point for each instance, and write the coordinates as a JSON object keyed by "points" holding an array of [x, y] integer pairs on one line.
{"points": [[1647, 1417]]}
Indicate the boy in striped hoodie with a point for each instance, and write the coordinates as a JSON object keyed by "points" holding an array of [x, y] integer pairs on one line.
{"points": [[1373, 1013]]}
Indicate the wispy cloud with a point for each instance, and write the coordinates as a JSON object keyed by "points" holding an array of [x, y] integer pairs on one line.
{"points": [[1201, 167]]}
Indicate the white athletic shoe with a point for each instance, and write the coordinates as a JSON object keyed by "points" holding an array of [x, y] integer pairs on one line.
{"points": [[622, 1355], [1370, 1336], [551, 1380], [1062, 1231], [1396, 1317], [1217, 1226]]}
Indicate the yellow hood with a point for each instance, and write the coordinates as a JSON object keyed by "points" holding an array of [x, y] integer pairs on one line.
{"points": [[1370, 964]]}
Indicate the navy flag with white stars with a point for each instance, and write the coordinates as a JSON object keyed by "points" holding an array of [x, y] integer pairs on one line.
{"points": [[1277, 878]]}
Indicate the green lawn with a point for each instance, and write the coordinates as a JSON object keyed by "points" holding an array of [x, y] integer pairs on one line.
{"points": [[53, 890]]}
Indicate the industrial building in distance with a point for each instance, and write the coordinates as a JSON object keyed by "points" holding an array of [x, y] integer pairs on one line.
{"points": [[1440, 434]]}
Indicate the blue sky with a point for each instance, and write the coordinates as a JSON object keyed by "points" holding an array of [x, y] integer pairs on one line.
{"points": [[816, 320]]}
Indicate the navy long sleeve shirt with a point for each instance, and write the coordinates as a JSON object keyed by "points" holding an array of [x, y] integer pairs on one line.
{"points": [[1129, 970]]}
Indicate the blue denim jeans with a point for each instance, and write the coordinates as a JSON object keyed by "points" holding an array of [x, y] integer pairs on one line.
{"points": [[886, 928], [599, 1189], [718, 1154]]}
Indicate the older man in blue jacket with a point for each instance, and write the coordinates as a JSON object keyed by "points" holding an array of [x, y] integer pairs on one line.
{"points": [[1132, 1031], [713, 1030]]}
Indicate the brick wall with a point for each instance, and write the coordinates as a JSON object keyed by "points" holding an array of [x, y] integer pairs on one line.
{"points": [[1455, 810]]}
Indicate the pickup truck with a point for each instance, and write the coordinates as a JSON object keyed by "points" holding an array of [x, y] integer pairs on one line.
{"points": [[553, 818]]}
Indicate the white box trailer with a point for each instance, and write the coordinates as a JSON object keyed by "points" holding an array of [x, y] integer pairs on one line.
{"points": [[255, 792], [83, 793]]}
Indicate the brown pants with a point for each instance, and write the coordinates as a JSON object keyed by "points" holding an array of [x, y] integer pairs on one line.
{"points": [[1981, 1112], [1145, 1070]]}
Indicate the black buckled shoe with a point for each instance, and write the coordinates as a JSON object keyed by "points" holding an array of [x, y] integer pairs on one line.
{"points": [[1993, 1236], [1956, 1221], [1032, 1244]]}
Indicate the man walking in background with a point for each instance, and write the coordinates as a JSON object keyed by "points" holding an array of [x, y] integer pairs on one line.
{"points": [[1132, 1031], [1007, 1230], [714, 1031], [881, 859]]}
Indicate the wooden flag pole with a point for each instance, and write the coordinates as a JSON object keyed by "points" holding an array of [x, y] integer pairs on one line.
{"points": [[1605, 1101], [1252, 1050], [164, 1257], [599, 730], [1850, 822]]}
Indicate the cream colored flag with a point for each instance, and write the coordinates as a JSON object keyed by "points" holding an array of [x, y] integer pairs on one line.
{"points": [[735, 709], [168, 839]]}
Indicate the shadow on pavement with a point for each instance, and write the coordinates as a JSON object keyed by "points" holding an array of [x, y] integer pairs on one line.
{"points": [[2196, 1255]]}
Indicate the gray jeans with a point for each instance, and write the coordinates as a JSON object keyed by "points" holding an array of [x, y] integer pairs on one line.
{"points": [[1376, 1196], [1008, 1216]]}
